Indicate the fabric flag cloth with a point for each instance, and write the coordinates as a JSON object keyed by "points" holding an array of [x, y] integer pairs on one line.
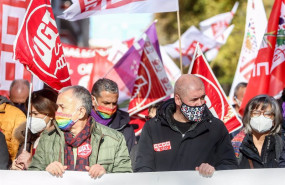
{"points": [[218, 28], [138, 120], [38, 46], [268, 71], [189, 39], [80, 61], [12, 15], [171, 69], [215, 26], [222, 39], [81, 9], [216, 99], [255, 25], [152, 84], [125, 71]]}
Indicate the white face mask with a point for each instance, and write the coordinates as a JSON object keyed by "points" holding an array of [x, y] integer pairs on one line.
{"points": [[261, 124], [37, 125]]}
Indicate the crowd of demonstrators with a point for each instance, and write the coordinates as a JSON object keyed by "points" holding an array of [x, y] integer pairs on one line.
{"points": [[77, 142], [105, 94], [42, 117], [184, 135], [261, 147], [83, 131]]}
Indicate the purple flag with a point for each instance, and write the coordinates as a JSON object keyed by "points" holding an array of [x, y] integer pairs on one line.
{"points": [[127, 67]]}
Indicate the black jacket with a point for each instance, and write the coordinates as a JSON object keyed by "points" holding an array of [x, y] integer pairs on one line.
{"points": [[208, 142], [4, 154], [270, 153], [120, 123]]}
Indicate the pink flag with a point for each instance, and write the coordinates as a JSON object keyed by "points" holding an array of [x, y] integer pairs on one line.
{"points": [[255, 26], [216, 99], [81, 9], [38, 45], [268, 71]]}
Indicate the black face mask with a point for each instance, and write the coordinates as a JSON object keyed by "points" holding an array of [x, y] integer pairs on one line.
{"points": [[21, 106]]}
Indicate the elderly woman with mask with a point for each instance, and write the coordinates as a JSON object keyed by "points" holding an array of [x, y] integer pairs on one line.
{"points": [[261, 146], [42, 115]]}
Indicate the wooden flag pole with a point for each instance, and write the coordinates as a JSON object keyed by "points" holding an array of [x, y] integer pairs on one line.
{"points": [[28, 113], [179, 38]]}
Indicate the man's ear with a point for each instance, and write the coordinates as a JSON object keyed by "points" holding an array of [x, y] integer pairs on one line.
{"points": [[93, 100], [177, 100], [82, 112]]}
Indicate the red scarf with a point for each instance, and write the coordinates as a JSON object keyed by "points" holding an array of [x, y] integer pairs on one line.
{"points": [[82, 143]]}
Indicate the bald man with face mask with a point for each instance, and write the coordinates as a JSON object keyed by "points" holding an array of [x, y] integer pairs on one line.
{"points": [[184, 135]]}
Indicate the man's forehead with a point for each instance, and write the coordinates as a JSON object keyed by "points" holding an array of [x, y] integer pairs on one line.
{"points": [[65, 97], [108, 96]]}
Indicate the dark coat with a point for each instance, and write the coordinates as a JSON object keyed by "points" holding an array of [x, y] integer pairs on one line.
{"points": [[4, 154], [270, 153], [121, 123], [209, 142]]}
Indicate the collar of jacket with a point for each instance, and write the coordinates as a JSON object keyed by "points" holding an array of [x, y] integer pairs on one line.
{"points": [[168, 109], [120, 121]]}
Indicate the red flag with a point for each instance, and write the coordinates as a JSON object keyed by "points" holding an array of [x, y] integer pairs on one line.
{"points": [[38, 45], [269, 67], [152, 84], [216, 99], [12, 13], [138, 120]]}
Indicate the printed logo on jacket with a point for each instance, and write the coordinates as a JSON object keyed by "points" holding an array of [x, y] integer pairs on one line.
{"points": [[159, 147]]}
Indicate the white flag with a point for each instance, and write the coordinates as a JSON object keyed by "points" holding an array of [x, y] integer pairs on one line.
{"points": [[254, 29], [189, 39], [171, 69], [215, 26], [81, 9], [222, 39]]}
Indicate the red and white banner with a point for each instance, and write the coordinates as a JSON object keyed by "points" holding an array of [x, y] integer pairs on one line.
{"points": [[38, 45], [81, 9], [152, 84], [255, 26], [269, 67], [189, 39], [216, 99], [215, 26], [12, 13], [222, 39]]}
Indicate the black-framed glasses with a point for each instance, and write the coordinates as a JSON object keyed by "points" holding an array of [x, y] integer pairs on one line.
{"points": [[267, 114]]}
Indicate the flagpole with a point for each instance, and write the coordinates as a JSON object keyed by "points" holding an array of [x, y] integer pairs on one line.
{"points": [[179, 38], [28, 113], [193, 59]]}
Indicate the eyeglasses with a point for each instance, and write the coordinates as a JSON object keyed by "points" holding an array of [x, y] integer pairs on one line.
{"points": [[257, 113]]}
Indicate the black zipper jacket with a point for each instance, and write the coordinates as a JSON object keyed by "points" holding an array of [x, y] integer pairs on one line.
{"points": [[162, 147], [271, 151], [121, 123]]}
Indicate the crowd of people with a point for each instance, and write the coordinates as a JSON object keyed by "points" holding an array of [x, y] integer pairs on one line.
{"points": [[75, 129]]}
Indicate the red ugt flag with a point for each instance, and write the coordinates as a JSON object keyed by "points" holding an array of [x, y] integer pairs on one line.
{"points": [[216, 99], [38, 45], [269, 67]]}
